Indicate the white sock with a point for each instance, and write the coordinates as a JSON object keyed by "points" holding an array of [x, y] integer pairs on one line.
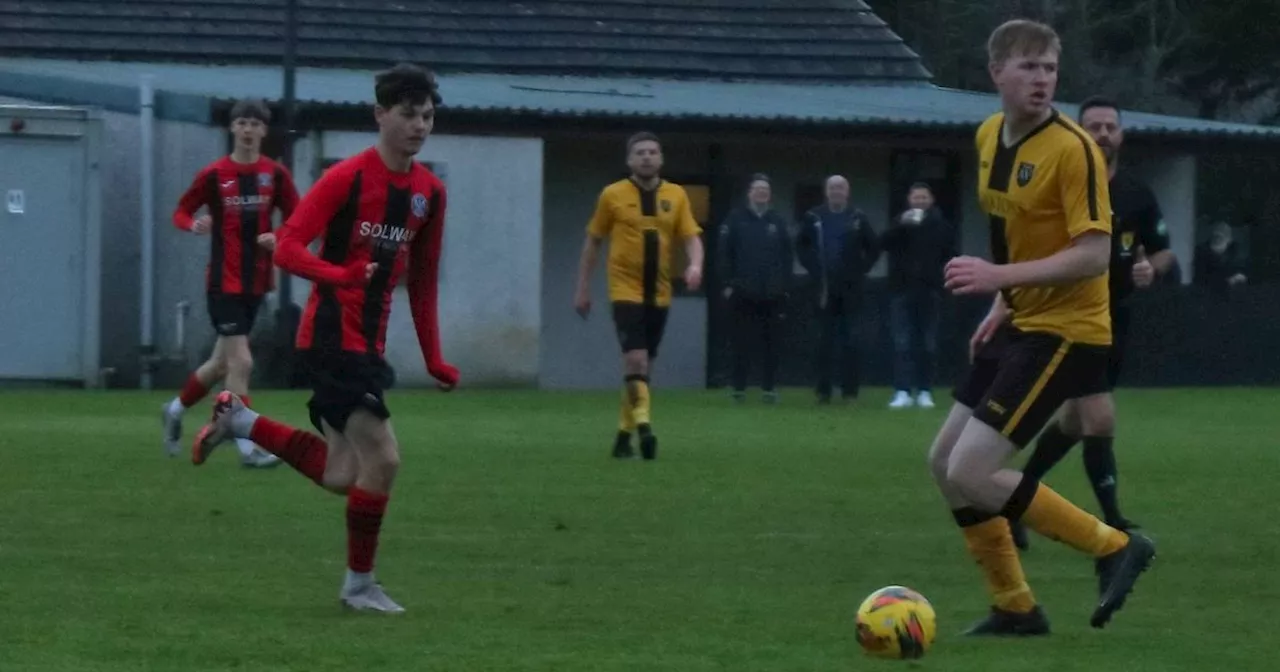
{"points": [[356, 580], [176, 407], [242, 422]]}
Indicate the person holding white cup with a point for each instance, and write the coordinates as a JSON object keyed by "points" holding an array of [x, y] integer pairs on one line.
{"points": [[918, 243]]}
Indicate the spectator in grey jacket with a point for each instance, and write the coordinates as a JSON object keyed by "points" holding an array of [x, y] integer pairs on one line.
{"points": [[837, 246], [754, 254], [919, 243]]}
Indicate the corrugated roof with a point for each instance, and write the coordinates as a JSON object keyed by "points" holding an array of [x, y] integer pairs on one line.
{"points": [[919, 106], [828, 40]]}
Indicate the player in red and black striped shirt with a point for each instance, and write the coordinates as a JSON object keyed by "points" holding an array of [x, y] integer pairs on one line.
{"points": [[380, 215], [239, 194]]}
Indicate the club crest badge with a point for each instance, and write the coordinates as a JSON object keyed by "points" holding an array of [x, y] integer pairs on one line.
{"points": [[1025, 172], [1126, 241], [265, 179], [666, 206], [419, 206]]}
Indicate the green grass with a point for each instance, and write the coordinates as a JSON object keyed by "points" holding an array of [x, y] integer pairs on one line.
{"points": [[517, 544]]}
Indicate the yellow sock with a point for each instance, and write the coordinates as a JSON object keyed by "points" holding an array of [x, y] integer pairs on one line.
{"points": [[1053, 516], [638, 391], [991, 544], [625, 422]]}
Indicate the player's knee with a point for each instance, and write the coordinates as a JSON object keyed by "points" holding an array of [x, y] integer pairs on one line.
{"points": [[1096, 416], [1069, 420], [382, 465], [637, 362], [239, 362], [1102, 423]]}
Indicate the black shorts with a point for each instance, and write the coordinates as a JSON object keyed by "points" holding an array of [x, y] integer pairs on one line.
{"points": [[640, 327], [1119, 339], [1019, 379], [343, 383], [233, 314]]}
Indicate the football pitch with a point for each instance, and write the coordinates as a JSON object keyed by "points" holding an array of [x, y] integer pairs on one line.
{"points": [[516, 542]]}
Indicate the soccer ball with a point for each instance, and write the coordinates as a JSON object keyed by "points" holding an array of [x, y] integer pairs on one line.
{"points": [[896, 622]]}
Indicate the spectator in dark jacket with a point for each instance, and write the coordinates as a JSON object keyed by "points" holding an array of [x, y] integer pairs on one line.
{"points": [[837, 246], [755, 254], [918, 243], [1219, 265]]}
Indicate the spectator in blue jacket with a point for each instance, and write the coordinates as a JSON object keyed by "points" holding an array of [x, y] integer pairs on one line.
{"points": [[754, 255], [837, 246]]}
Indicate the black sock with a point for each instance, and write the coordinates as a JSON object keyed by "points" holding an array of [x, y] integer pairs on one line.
{"points": [[1051, 447], [1100, 465]]}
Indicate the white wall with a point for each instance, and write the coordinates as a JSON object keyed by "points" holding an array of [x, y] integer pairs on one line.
{"points": [[180, 149], [1173, 179], [490, 298]]}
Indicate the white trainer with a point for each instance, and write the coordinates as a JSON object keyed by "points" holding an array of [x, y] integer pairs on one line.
{"points": [[252, 455], [902, 399], [369, 597], [925, 400], [172, 423], [225, 406]]}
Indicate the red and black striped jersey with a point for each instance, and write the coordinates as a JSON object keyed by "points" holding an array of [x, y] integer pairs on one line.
{"points": [[239, 198], [366, 213]]}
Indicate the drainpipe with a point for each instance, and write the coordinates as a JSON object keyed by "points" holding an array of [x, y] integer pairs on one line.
{"points": [[148, 225]]}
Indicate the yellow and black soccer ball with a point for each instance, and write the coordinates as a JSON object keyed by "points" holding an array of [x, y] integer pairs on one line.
{"points": [[896, 622]]}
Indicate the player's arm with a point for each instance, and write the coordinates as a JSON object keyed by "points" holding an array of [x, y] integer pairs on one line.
{"points": [[424, 274], [194, 198], [600, 225], [1154, 238], [996, 317], [688, 230], [317, 208], [1087, 257]]}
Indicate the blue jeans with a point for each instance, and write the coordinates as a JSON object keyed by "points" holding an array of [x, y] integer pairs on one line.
{"points": [[913, 321]]}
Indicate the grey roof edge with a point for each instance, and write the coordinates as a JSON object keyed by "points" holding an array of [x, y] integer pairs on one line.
{"points": [[1136, 130], [1140, 123], [198, 108], [169, 105]]}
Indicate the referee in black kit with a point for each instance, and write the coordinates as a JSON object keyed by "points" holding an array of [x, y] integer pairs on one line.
{"points": [[1139, 254]]}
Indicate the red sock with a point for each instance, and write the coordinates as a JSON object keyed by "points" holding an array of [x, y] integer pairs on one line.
{"points": [[192, 392], [301, 450], [364, 521]]}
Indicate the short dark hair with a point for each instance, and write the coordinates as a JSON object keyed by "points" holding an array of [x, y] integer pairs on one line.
{"points": [[759, 177], [642, 136], [406, 83], [1097, 101], [920, 185], [251, 108]]}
